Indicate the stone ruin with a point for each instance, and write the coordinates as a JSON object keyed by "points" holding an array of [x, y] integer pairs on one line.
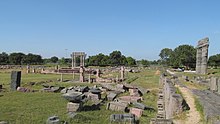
{"points": [[15, 80], [82, 56], [169, 102], [202, 56]]}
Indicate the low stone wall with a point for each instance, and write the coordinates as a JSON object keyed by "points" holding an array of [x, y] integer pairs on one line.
{"points": [[169, 103]]}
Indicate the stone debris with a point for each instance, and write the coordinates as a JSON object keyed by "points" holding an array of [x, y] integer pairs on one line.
{"points": [[3, 122], [122, 118], [211, 105], [15, 80], [130, 99], [74, 107], [53, 120], [117, 106], [137, 112], [111, 96]]}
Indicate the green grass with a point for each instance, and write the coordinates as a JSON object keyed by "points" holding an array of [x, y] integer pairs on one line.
{"points": [[200, 109], [35, 108]]}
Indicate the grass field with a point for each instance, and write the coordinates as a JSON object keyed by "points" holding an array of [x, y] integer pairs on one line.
{"points": [[35, 108]]}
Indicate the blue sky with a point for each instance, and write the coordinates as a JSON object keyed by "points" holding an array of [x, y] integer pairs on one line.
{"points": [[138, 28]]}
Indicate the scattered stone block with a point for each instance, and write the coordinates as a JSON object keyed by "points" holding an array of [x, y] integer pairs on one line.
{"points": [[53, 120], [15, 80], [130, 99], [94, 97], [117, 106], [214, 84], [111, 96], [74, 107], [75, 97], [137, 112], [122, 118]]}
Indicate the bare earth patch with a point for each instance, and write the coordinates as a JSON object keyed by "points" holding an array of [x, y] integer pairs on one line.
{"points": [[193, 116]]}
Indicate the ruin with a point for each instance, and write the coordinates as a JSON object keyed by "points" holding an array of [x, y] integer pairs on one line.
{"points": [[202, 56], [82, 57], [15, 80]]}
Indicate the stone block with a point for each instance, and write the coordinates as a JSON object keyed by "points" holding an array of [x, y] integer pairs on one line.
{"points": [[137, 112], [111, 96], [116, 106], [94, 97], [15, 80], [74, 107], [213, 84], [53, 120]]}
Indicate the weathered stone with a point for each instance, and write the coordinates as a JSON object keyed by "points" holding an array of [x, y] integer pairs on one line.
{"points": [[75, 97], [116, 106], [219, 86], [142, 106], [130, 99], [137, 112], [214, 84], [111, 96], [125, 118], [210, 102], [15, 79], [74, 107], [53, 120], [202, 56], [94, 97]]}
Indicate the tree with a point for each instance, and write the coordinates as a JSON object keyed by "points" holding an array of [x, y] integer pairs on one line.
{"points": [[145, 62], [4, 59], [115, 58], [214, 60], [16, 58], [131, 61], [54, 59], [165, 55], [32, 59], [183, 55]]}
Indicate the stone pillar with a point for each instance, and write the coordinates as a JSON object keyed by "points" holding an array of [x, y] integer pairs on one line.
{"points": [[74, 61], [73, 75], [15, 80], [202, 56], [97, 73], [214, 84], [81, 75], [61, 77], [28, 69], [122, 72]]}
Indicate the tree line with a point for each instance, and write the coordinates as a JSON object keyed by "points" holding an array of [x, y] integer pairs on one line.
{"points": [[184, 56], [116, 58], [20, 59]]}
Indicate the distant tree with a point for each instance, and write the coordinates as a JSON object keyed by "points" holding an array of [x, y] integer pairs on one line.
{"points": [[32, 59], [214, 60], [183, 55], [131, 61], [115, 58], [145, 62], [54, 59], [98, 60], [4, 59], [165, 55], [16, 58]]}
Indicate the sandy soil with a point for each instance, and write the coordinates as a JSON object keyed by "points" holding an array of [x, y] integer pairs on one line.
{"points": [[193, 116]]}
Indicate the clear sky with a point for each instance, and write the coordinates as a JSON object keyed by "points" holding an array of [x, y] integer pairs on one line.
{"points": [[138, 28]]}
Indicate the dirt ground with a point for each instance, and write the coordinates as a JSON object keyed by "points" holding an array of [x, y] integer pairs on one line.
{"points": [[193, 116]]}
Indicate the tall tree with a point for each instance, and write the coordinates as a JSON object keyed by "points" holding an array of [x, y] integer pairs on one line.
{"points": [[115, 58], [4, 59], [184, 55], [16, 58], [214, 60], [131, 61], [165, 55], [54, 59]]}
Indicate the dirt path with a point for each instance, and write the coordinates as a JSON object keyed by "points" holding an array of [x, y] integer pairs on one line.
{"points": [[193, 116]]}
